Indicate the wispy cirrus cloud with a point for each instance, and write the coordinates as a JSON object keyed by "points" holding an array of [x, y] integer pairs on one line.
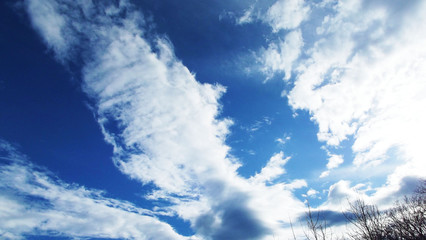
{"points": [[258, 124], [164, 125], [359, 75], [35, 202]]}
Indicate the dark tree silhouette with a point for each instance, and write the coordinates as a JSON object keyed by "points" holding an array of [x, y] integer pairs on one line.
{"points": [[406, 220], [317, 226]]}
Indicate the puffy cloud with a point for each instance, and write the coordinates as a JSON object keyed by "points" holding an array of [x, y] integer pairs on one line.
{"points": [[283, 140], [312, 192], [281, 57], [286, 14], [362, 79], [360, 76], [281, 15], [340, 194], [295, 184], [273, 169], [325, 174], [344, 192], [334, 161], [33, 201]]}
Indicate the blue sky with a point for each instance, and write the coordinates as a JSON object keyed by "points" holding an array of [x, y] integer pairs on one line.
{"points": [[205, 120]]}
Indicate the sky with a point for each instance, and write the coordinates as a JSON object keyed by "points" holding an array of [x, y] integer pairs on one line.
{"points": [[166, 119]]}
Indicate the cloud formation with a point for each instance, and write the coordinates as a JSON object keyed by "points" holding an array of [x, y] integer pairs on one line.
{"points": [[162, 123], [281, 57], [286, 14], [355, 66], [273, 169], [334, 161], [35, 202], [360, 76]]}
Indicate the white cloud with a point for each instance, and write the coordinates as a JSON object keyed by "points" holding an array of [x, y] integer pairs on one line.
{"points": [[164, 127], [168, 133], [51, 24], [341, 194], [258, 124], [33, 201], [361, 77], [286, 14], [296, 184], [274, 203], [247, 16], [281, 57], [370, 85], [273, 169], [283, 140], [352, 87], [312, 193], [325, 174], [281, 15], [334, 161]]}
